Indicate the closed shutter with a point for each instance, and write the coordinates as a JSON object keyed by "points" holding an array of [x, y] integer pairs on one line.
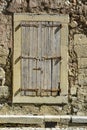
{"points": [[40, 58]]}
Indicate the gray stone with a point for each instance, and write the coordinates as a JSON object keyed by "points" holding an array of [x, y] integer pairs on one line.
{"points": [[4, 92], [79, 119]]}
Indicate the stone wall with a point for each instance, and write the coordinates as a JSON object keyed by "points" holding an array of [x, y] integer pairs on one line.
{"points": [[77, 47]]}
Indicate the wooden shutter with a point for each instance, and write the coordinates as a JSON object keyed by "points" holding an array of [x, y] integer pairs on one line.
{"points": [[40, 64]]}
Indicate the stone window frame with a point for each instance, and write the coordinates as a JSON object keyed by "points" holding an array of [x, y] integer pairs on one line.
{"points": [[64, 20]]}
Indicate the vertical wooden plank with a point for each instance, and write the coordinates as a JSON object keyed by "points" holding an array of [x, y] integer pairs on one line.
{"points": [[38, 69], [27, 60], [48, 61], [30, 60], [42, 55], [56, 62], [24, 61], [44, 61], [34, 54]]}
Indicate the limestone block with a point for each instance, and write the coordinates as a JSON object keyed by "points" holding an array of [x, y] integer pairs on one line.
{"points": [[82, 97], [82, 80], [80, 39], [81, 50], [4, 92], [80, 113], [2, 76], [73, 90], [18, 1], [3, 54], [75, 110], [73, 24], [33, 3], [82, 63], [82, 72], [65, 119]]}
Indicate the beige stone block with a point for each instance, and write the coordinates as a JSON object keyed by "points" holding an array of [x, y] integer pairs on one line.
{"points": [[73, 90], [82, 71], [73, 24], [80, 39], [33, 3], [65, 119], [82, 63], [82, 80], [81, 50], [4, 92]]}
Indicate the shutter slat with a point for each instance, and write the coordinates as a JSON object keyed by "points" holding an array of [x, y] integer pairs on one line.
{"points": [[34, 53], [24, 61], [30, 60], [56, 63], [38, 67], [42, 54], [48, 61]]}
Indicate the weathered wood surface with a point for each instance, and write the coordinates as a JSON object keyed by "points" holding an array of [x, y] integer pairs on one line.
{"points": [[41, 71]]}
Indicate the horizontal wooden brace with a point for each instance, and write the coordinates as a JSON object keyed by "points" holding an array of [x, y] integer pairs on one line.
{"points": [[29, 89], [46, 90], [50, 58], [50, 90], [36, 58]]}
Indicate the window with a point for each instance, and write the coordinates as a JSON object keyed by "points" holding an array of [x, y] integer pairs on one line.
{"points": [[40, 61]]}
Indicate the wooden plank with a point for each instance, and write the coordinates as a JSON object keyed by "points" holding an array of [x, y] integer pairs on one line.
{"points": [[30, 34], [48, 61], [57, 39], [34, 54], [56, 62], [44, 62], [24, 61], [42, 55], [38, 61]]}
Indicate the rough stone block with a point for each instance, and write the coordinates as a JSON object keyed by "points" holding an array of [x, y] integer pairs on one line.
{"points": [[73, 24], [82, 80], [81, 50], [82, 96], [80, 113], [52, 119], [82, 72], [33, 3], [4, 92], [73, 90], [3, 55], [65, 119], [80, 39], [82, 63]]}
